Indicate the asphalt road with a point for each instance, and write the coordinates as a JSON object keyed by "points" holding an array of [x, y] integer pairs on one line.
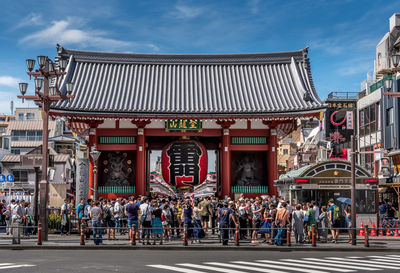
{"points": [[165, 261]]}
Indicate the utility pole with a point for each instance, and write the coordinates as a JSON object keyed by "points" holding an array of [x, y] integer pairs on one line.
{"points": [[353, 191]]}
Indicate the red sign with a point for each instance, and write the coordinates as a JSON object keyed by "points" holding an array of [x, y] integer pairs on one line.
{"points": [[184, 163]]}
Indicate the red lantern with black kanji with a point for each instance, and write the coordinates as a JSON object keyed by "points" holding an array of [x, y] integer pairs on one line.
{"points": [[184, 163]]}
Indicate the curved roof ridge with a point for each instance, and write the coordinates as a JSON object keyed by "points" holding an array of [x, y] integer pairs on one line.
{"points": [[176, 58]]}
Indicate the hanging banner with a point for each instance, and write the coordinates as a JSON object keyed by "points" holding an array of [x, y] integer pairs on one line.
{"points": [[184, 163], [349, 120]]}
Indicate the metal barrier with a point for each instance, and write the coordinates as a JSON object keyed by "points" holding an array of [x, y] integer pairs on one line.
{"points": [[234, 235]]}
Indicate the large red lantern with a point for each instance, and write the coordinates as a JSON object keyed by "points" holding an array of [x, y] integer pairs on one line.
{"points": [[184, 163]]}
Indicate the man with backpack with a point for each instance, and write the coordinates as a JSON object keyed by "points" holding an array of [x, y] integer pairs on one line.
{"points": [[109, 219], [334, 219]]}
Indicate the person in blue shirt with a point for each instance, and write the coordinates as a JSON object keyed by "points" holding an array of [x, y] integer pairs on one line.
{"points": [[382, 211], [80, 211], [335, 224], [224, 215]]}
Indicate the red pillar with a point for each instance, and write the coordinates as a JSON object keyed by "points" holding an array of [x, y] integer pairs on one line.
{"points": [[92, 141], [141, 157], [225, 157], [226, 163], [272, 161], [141, 163]]}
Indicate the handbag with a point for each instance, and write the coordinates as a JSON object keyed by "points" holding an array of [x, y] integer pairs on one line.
{"points": [[265, 227], [307, 218]]}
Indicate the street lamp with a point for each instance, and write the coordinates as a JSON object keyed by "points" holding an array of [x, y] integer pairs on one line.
{"points": [[45, 95], [388, 83], [395, 60], [95, 154]]}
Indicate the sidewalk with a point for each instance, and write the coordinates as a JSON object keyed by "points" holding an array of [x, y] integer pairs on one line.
{"points": [[208, 243]]}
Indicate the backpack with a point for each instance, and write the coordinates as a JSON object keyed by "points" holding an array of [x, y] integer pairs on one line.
{"points": [[336, 213], [107, 214]]}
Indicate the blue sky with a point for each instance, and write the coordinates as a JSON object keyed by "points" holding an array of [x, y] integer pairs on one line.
{"points": [[342, 35]]}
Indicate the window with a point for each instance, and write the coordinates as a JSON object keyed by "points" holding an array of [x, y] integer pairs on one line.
{"points": [[16, 151], [6, 145], [21, 116], [389, 116], [30, 116], [19, 135], [20, 176], [285, 151]]}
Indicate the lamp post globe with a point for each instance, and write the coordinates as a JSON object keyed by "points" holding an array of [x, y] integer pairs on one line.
{"points": [[388, 83], [30, 64], [395, 60]]}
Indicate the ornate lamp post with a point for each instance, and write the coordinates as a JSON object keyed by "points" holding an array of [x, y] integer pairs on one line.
{"points": [[95, 154], [47, 91]]}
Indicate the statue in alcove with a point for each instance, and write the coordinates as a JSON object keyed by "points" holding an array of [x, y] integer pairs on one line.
{"points": [[116, 169], [247, 172]]}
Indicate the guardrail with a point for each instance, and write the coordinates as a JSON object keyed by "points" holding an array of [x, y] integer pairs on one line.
{"points": [[234, 235]]}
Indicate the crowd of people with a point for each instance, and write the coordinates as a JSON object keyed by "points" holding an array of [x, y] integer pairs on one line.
{"points": [[17, 217], [262, 219]]}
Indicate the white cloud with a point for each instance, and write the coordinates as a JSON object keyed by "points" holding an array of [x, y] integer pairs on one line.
{"points": [[64, 32], [355, 66], [186, 12], [9, 81], [31, 20], [254, 6]]}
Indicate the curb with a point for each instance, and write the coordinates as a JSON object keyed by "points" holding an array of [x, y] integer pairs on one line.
{"points": [[198, 248]]}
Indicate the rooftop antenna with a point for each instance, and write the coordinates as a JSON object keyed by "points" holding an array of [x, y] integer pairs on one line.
{"points": [[12, 107]]}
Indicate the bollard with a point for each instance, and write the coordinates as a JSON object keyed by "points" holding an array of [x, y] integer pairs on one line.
{"points": [[237, 235], [313, 241], [288, 234], [82, 234], [39, 234], [133, 237], [366, 243], [185, 235], [185, 243]]}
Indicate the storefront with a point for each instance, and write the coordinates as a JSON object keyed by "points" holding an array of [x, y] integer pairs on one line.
{"points": [[331, 179], [184, 116]]}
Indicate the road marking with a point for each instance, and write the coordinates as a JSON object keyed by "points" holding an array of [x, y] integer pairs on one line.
{"points": [[246, 267], [359, 262], [396, 256], [340, 261], [5, 264], [365, 261], [385, 257], [226, 270], [323, 262], [280, 267], [16, 266], [304, 265], [174, 268]]}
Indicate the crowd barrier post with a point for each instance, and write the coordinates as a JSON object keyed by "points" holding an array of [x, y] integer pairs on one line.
{"points": [[82, 234], [288, 234], [313, 236], [133, 237], [366, 244], [185, 234], [237, 235], [39, 234]]}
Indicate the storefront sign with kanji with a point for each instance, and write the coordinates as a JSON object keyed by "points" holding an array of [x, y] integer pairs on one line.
{"points": [[183, 125]]}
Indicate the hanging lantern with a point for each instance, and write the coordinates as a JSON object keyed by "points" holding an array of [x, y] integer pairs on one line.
{"points": [[184, 163]]}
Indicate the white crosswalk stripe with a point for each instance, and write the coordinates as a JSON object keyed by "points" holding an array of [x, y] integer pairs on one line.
{"points": [[226, 270], [175, 268], [295, 264], [333, 265], [354, 265], [305, 265], [281, 267], [13, 265], [375, 263], [236, 266]]}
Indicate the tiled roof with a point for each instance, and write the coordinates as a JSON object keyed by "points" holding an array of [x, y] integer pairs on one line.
{"points": [[154, 84], [12, 158], [26, 144], [31, 125]]}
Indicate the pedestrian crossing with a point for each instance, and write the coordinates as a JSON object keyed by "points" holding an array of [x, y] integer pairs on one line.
{"points": [[303, 265], [13, 265]]}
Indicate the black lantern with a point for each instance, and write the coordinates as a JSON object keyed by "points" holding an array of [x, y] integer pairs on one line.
{"points": [[388, 83], [23, 86], [38, 83], [30, 64], [41, 60]]}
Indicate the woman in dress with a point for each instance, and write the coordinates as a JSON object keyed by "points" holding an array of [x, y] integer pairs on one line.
{"points": [[187, 218], [157, 228]]}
